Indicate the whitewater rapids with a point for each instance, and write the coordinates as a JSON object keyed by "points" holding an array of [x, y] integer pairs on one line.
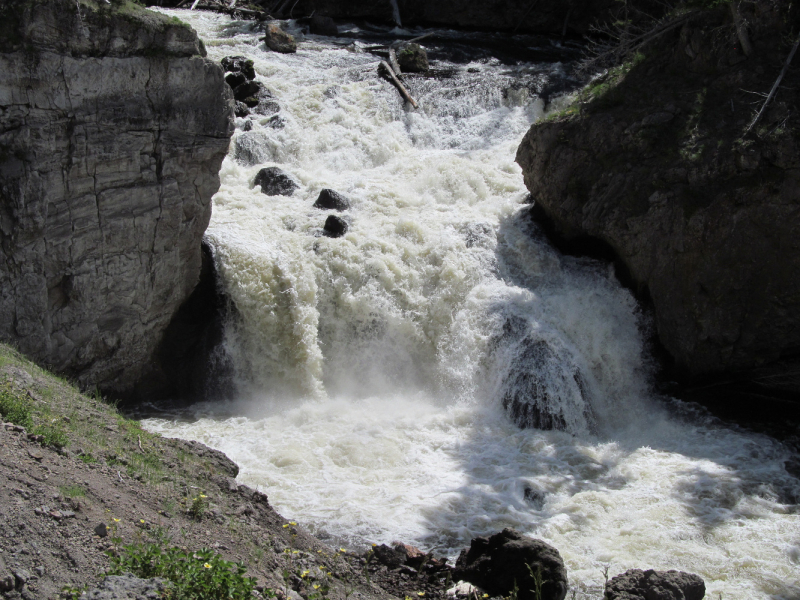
{"points": [[370, 368]]}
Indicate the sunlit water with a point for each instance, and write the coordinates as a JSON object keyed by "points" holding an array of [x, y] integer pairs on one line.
{"points": [[371, 368]]}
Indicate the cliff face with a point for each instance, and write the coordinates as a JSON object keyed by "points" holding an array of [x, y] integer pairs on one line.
{"points": [[653, 160], [112, 130]]}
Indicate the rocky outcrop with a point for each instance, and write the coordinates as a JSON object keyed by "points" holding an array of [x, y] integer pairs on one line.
{"points": [[653, 163], [112, 130], [508, 560], [636, 584]]}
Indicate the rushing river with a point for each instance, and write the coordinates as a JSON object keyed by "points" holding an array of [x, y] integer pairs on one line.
{"points": [[371, 368]]}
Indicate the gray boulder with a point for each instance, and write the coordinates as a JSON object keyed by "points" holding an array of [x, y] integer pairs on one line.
{"points": [[331, 200], [498, 563], [413, 59], [275, 182], [636, 584], [278, 40]]}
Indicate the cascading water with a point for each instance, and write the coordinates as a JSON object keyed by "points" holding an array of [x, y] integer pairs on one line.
{"points": [[377, 371]]}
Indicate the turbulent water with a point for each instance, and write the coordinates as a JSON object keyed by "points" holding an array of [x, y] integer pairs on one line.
{"points": [[372, 368]]}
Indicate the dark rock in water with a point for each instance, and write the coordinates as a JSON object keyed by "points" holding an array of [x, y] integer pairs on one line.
{"points": [[239, 64], [542, 385], [335, 226], [251, 147], [247, 90], [331, 200], [276, 122], [413, 59], [636, 584], [323, 26], [128, 587], [500, 562], [267, 108], [235, 80], [278, 40], [275, 182], [248, 126], [241, 109]]}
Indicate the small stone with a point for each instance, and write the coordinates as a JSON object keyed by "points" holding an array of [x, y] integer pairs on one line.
{"points": [[332, 200], [275, 182], [39, 571], [276, 122], [278, 40], [323, 26], [335, 226], [240, 109], [35, 454], [413, 59]]}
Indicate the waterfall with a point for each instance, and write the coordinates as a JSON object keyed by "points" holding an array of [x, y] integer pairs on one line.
{"points": [[382, 375], [396, 13]]}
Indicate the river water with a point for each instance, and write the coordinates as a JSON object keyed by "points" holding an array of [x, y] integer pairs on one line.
{"points": [[371, 368]]}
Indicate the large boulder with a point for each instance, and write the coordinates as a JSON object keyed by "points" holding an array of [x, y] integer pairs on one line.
{"points": [[413, 59], [507, 560], [112, 133], [636, 584], [332, 200], [335, 226], [279, 40], [239, 64], [705, 223], [275, 182]]}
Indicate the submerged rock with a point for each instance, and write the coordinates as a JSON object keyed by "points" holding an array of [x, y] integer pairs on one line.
{"points": [[323, 26], [278, 40], [275, 182], [335, 226], [505, 560], [239, 64], [331, 200], [413, 59], [636, 584]]}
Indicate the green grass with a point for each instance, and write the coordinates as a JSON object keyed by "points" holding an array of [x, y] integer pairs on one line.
{"points": [[200, 575], [72, 491], [14, 407]]}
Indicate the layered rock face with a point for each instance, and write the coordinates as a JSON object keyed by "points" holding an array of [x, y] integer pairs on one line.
{"points": [[112, 130], [654, 162]]}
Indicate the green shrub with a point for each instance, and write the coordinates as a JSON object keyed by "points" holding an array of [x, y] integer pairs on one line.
{"points": [[201, 575], [52, 435], [14, 408]]}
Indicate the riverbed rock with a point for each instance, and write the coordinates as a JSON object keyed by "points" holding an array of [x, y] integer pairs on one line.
{"points": [[279, 40], [332, 200], [235, 80], [275, 182], [704, 223], [636, 584], [335, 226], [112, 132], [413, 58], [320, 25], [239, 64], [248, 89], [500, 562]]}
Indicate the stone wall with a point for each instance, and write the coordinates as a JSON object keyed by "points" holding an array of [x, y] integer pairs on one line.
{"points": [[112, 130]]}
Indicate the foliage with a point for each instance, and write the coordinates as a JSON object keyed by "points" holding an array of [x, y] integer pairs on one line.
{"points": [[14, 408], [201, 575], [72, 491]]}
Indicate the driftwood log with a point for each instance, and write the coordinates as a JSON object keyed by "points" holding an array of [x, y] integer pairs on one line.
{"points": [[386, 69]]}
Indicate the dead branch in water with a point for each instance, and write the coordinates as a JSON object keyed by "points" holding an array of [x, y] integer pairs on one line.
{"points": [[385, 68]]}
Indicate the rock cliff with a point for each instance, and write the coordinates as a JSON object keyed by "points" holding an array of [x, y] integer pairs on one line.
{"points": [[112, 130], [653, 161]]}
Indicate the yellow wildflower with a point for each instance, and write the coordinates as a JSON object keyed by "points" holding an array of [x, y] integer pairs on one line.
{"points": [[207, 566]]}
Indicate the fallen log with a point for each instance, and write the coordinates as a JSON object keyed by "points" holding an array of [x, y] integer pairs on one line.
{"points": [[395, 64], [384, 66]]}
